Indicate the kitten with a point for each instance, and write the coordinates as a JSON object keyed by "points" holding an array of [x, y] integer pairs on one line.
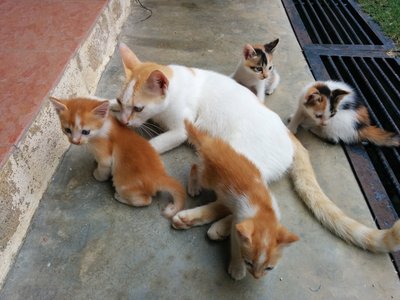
{"points": [[331, 110], [136, 168], [216, 104], [256, 70], [257, 237]]}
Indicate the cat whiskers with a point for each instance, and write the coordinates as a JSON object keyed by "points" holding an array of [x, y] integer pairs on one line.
{"points": [[148, 129]]}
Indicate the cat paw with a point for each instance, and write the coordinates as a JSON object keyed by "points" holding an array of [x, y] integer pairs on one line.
{"points": [[237, 270], [216, 233], [269, 92], [99, 176], [170, 211], [182, 220]]}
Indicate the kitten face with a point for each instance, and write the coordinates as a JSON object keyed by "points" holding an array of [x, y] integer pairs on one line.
{"points": [[145, 89], [262, 247], [321, 103], [258, 59], [81, 119]]}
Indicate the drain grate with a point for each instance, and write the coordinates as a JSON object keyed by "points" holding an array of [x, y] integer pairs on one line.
{"points": [[341, 43]]}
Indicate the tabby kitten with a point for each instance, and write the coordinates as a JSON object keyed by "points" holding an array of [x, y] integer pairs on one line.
{"points": [[332, 111], [256, 70], [136, 168], [257, 237]]}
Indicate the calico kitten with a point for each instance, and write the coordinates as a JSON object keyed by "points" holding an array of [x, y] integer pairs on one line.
{"points": [[216, 104], [256, 70], [136, 168], [257, 237], [331, 110]]}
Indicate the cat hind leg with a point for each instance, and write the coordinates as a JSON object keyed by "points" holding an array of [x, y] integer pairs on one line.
{"points": [[194, 185]]}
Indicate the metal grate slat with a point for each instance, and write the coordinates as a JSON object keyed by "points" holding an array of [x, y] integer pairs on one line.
{"points": [[343, 31], [334, 36], [353, 23]]}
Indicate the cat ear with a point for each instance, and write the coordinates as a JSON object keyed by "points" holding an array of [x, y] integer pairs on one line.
{"points": [[245, 230], [58, 104], [338, 94], [285, 237], [102, 109], [248, 51], [270, 47], [129, 59], [312, 97], [157, 83]]}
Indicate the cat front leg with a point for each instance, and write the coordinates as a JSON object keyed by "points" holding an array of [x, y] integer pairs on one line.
{"points": [[272, 84], [102, 172], [199, 215], [221, 229], [169, 140], [237, 267], [260, 88], [295, 121]]}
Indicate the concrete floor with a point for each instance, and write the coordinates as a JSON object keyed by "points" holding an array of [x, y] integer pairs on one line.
{"points": [[85, 245]]}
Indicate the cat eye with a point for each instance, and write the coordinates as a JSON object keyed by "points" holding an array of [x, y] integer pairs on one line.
{"points": [[270, 68], [85, 132], [67, 130], [138, 109], [269, 268], [318, 116], [119, 101], [257, 69]]}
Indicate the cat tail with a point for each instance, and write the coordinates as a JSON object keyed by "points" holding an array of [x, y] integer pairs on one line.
{"points": [[195, 136], [379, 136], [307, 187], [175, 188]]}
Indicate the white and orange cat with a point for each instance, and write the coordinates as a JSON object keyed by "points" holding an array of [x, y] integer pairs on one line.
{"points": [[256, 70], [257, 236], [332, 111], [136, 168], [222, 108]]}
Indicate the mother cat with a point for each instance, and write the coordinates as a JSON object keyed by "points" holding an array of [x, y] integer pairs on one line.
{"points": [[218, 105]]}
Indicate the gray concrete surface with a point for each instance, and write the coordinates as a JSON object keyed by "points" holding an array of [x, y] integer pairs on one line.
{"points": [[85, 245]]}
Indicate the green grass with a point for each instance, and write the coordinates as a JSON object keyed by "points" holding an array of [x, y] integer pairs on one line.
{"points": [[387, 14]]}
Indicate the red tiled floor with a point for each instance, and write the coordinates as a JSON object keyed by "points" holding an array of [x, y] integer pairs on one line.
{"points": [[37, 40]]}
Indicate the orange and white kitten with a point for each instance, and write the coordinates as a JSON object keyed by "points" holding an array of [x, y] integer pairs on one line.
{"points": [[136, 168], [256, 70], [257, 237], [332, 111]]}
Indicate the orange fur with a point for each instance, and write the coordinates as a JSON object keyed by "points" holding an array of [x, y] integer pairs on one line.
{"points": [[230, 174], [137, 170], [373, 134]]}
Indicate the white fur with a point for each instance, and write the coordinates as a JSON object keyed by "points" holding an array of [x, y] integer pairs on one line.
{"points": [[218, 105]]}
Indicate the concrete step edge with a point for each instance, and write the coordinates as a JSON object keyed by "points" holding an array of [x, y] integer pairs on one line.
{"points": [[28, 171]]}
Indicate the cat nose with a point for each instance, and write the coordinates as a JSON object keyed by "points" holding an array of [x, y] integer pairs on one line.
{"points": [[76, 141]]}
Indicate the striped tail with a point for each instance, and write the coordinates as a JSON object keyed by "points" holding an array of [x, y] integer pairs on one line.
{"points": [[379, 136], [307, 187], [177, 192]]}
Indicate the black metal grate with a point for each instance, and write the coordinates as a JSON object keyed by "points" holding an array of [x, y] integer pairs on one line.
{"points": [[341, 43], [379, 86], [335, 22]]}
